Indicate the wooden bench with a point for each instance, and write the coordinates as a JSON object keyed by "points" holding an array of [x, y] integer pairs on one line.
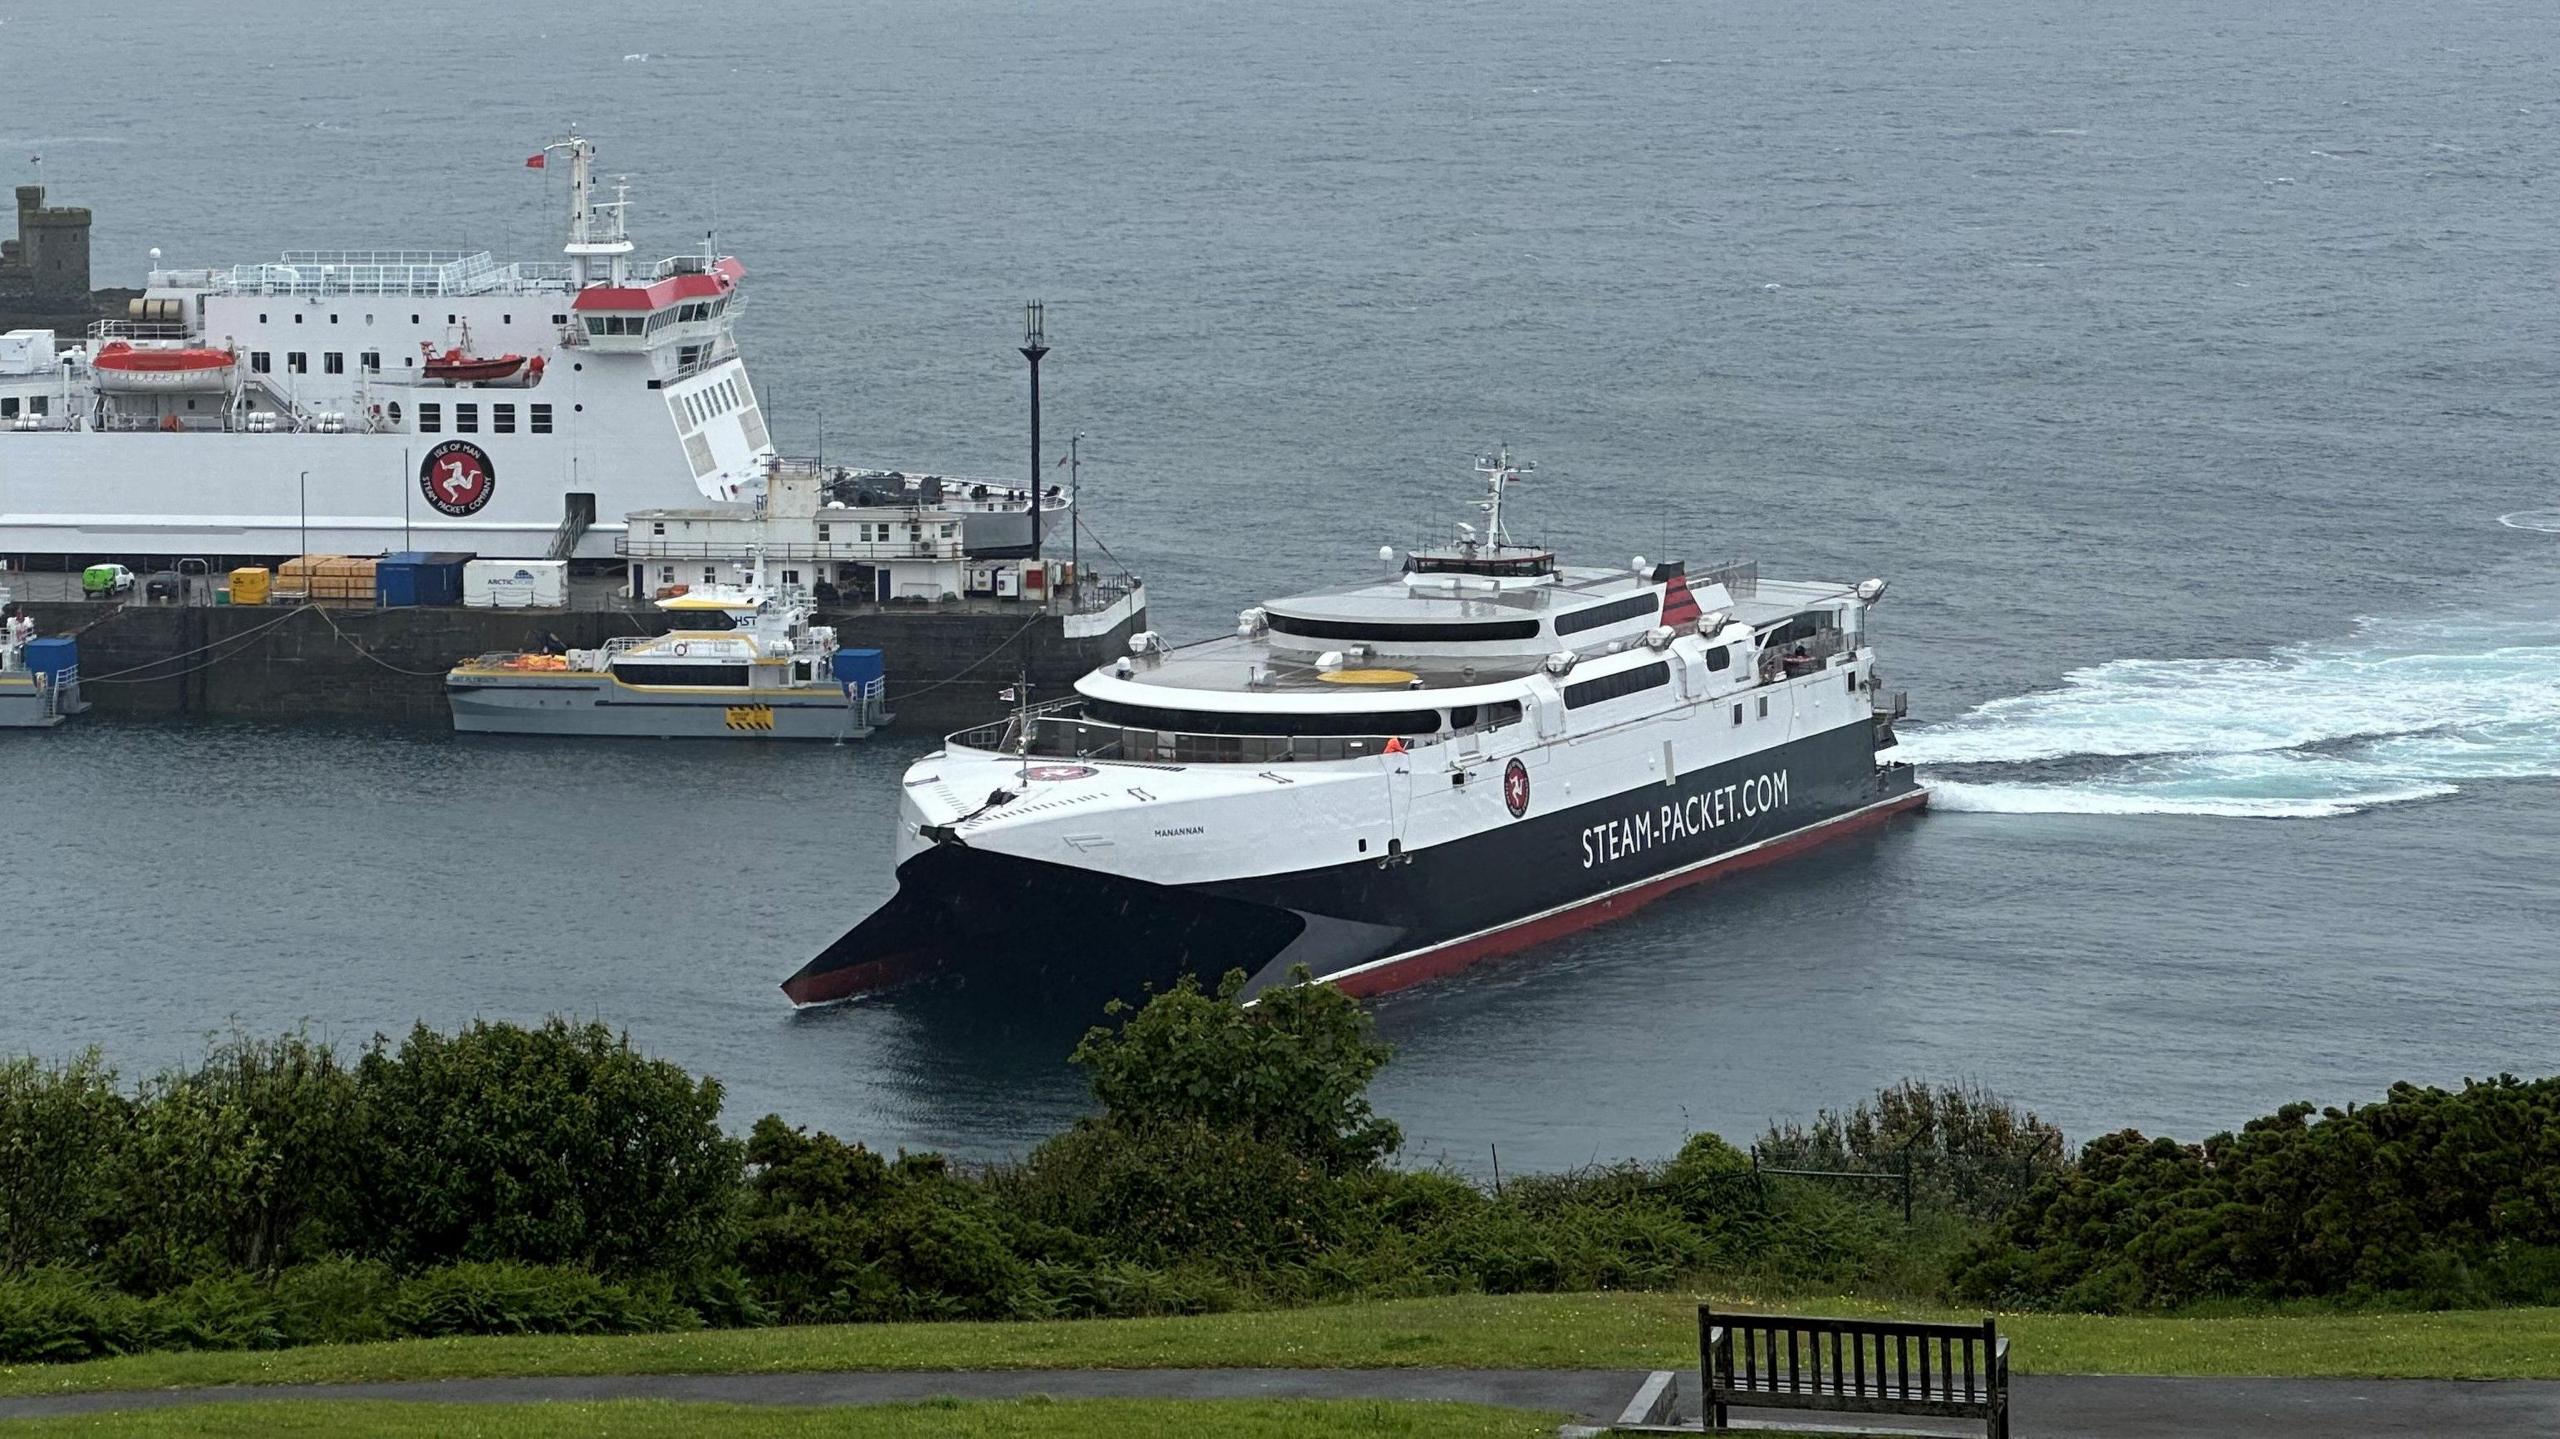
{"points": [[1853, 1366]]}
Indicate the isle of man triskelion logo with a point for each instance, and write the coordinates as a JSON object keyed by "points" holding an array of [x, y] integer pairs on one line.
{"points": [[458, 478]]}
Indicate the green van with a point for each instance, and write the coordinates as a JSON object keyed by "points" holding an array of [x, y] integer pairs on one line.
{"points": [[99, 582]]}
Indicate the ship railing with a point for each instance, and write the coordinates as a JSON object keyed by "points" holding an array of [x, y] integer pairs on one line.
{"points": [[1045, 734], [105, 330], [388, 272], [1801, 654], [1740, 578]]}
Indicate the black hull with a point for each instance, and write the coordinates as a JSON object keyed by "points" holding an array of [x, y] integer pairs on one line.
{"points": [[1370, 925]]}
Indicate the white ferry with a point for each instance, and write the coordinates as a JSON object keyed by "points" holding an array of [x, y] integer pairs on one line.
{"points": [[1385, 782], [362, 401]]}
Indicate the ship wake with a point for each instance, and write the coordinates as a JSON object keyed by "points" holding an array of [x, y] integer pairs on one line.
{"points": [[2398, 711]]}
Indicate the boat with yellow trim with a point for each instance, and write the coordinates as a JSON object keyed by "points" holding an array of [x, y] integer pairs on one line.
{"points": [[743, 663]]}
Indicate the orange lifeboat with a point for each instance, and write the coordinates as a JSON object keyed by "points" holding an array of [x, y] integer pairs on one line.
{"points": [[121, 366], [453, 367]]}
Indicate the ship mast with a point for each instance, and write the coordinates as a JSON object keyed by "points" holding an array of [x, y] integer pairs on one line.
{"points": [[1499, 471], [595, 230]]}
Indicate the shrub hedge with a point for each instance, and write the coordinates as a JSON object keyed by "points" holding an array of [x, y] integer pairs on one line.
{"points": [[551, 1179]]}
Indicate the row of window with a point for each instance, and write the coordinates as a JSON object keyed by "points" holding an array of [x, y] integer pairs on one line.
{"points": [[712, 400], [1615, 686], [654, 321], [466, 419], [1384, 722], [1594, 616], [9, 406], [1403, 633], [332, 362], [421, 319]]}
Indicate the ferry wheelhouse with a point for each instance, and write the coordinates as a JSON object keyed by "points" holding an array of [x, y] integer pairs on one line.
{"points": [[1390, 780]]}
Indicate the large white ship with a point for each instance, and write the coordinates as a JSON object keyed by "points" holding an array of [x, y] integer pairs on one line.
{"points": [[1393, 779], [361, 401]]}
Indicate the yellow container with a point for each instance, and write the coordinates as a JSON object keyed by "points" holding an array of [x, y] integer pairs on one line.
{"points": [[249, 586]]}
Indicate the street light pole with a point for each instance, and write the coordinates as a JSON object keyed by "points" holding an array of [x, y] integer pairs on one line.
{"points": [[1035, 343], [1075, 516]]}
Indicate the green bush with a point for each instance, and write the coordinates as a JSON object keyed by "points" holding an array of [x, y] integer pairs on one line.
{"points": [[248, 1162], [553, 1145], [504, 1298], [58, 1315], [220, 1311], [335, 1301], [60, 1127], [1291, 1071], [834, 1232], [2430, 1197]]}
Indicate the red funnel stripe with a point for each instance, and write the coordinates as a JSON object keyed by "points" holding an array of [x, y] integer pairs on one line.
{"points": [[1679, 607]]}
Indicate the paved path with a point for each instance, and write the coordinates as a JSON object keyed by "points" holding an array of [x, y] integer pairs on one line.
{"points": [[2047, 1406]]}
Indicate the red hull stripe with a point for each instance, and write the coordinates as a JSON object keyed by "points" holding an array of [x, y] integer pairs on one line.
{"points": [[1679, 606], [1399, 971], [838, 984]]}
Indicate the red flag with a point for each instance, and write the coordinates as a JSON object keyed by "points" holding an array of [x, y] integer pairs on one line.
{"points": [[534, 162]]}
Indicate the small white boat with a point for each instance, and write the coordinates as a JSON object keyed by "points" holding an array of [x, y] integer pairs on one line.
{"points": [[745, 663]]}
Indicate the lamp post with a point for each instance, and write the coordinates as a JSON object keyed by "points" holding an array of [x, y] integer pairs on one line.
{"points": [[1075, 517], [306, 531], [1035, 343]]}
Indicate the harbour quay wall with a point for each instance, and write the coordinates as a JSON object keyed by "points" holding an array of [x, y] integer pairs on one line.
{"points": [[945, 663]]}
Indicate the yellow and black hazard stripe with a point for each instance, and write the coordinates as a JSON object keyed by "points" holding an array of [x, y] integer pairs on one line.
{"points": [[751, 717]]}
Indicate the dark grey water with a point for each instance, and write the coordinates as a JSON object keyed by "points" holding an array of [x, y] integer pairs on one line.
{"points": [[2173, 361]]}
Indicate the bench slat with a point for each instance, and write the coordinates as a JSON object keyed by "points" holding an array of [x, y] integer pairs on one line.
{"points": [[1825, 1366]]}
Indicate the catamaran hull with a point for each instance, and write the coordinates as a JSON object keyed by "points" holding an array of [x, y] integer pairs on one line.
{"points": [[1370, 926], [595, 706]]}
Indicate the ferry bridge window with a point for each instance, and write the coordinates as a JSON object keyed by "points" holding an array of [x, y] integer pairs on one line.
{"points": [[1221, 722], [298, 362], [430, 417], [681, 674], [1575, 621], [334, 362], [1616, 686], [1405, 633], [541, 420], [502, 419], [466, 419], [261, 361], [1462, 716], [1720, 658]]}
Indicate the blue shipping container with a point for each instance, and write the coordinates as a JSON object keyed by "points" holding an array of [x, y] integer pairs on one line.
{"points": [[859, 668], [413, 577], [54, 656]]}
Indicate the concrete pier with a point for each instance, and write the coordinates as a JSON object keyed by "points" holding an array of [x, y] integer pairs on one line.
{"points": [[946, 661]]}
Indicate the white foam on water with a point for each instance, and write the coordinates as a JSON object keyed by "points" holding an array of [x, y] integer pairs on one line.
{"points": [[2546, 521], [2402, 710]]}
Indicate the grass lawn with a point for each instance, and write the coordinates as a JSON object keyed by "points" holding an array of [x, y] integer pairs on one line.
{"points": [[1544, 1331], [642, 1419]]}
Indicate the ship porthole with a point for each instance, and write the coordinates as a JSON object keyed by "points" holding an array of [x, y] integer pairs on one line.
{"points": [[578, 409]]}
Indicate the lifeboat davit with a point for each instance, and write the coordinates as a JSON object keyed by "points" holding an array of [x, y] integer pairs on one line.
{"points": [[124, 367], [453, 367]]}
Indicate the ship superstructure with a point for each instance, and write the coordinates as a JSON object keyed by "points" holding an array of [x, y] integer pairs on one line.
{"points": [[366, 401], [358, 401], [1386, 781]]}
